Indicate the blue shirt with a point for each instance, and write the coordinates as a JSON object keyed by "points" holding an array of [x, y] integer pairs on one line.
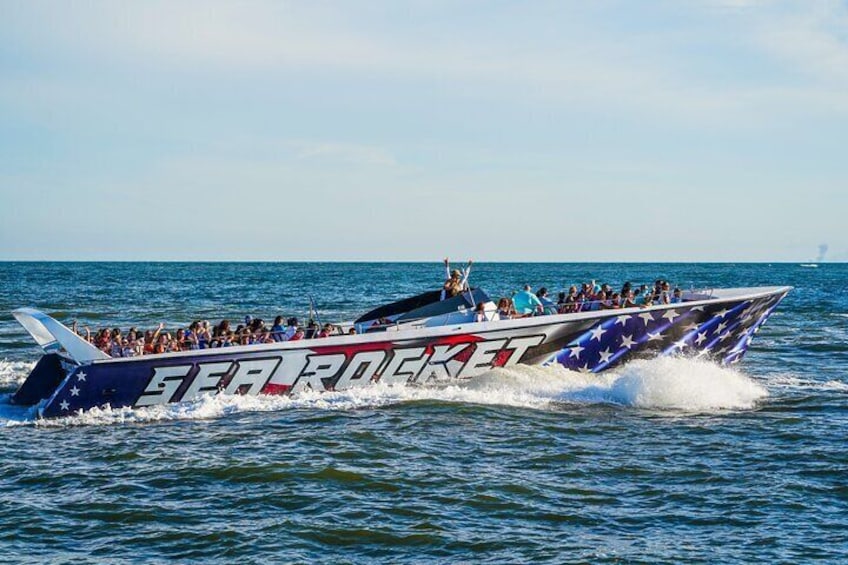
{"points": [[526, 302], [550, 305]]}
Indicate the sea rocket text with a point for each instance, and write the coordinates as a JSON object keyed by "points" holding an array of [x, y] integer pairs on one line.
{"points": [[308, 369]]}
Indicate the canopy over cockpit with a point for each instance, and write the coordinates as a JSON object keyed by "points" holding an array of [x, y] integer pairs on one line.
{"points": [[425, 305]]}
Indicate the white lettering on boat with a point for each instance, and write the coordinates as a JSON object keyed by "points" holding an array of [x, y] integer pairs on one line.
{"points": [[442, 364], [206, 380], [520, 345], [251, 376], [484, 354], [361, 369], [304, 370], [319, 367], [163, 384], [405, 364]]}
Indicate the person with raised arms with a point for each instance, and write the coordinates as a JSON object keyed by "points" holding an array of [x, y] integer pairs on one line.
{"points": [[456, 281]]}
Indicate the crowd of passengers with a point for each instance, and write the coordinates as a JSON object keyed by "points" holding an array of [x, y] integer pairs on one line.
{"points": [[201, 335], [589, 297]]}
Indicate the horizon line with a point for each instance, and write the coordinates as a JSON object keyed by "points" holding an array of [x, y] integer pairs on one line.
{"points": [[411, 261]]}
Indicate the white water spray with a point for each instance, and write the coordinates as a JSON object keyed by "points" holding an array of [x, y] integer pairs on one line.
{"points": [[663, 384]]}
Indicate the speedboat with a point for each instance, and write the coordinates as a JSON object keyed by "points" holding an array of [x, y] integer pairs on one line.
{"points": [[418, 340]]}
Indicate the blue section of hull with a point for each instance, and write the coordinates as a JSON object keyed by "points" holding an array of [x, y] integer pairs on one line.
{"points": [[47, 374]]}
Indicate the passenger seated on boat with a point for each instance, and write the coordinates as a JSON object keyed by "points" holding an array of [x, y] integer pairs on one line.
{"points": [[505, 310], [278, 332], [629, 299], [381, 322], [665, 293], [190, 339], [480, 313], [656, 291], [161, 345], [312, 330], [569, 301], [326, 331], [526, 303], [222, 329], [677, 296], [662, 292], [265, 337], [181, 340], [291, 328], [602, 302], [298, 335], [151, 337], [130, 342], [226, 339], [582, 302], [456, 281], [204, 336], [548, 306], [114, 344]]}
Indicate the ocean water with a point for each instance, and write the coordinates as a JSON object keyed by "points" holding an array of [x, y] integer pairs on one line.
{"points": [[666, 460]]}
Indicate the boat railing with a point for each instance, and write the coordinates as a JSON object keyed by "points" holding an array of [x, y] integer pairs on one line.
{"points": [[689, 295]]}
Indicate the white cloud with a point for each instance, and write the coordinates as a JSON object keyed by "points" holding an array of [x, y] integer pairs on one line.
{"points": [[813, 39]]}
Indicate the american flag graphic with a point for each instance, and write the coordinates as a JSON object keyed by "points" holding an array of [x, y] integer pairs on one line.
{"points": [[721, 332]]}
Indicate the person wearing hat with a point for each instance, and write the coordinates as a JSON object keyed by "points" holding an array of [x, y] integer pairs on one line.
{"points": [[456, 281]]}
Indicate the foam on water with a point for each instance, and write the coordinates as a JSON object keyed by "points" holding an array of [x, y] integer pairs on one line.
{"points": [[13, 373], [789, 381], [665, 383], [668, 384]]}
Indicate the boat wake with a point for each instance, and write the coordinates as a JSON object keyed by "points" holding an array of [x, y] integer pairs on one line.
{"points": [[668, 384]]}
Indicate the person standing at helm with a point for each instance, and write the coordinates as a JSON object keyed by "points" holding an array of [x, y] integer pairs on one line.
{"points": [[456, 281]]}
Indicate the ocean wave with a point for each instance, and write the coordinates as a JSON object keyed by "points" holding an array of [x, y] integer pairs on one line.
{"points": [[662, 384], [792, 382], [13, 373]]}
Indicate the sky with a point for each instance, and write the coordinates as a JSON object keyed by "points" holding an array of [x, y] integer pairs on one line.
{"points": [[706, 130]]}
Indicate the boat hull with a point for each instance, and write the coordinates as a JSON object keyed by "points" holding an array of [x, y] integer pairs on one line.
{"points": [[720, 329]]}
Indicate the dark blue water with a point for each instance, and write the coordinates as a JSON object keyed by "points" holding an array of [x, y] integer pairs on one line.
{"points": [[661, 461]]}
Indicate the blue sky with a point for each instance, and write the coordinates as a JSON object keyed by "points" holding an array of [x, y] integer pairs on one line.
{"points": [[543, 131]]}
